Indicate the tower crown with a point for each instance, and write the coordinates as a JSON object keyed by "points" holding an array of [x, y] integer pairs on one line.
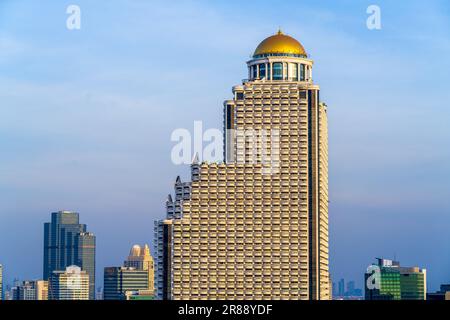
{"points": [[280, 58], [280, 45]]}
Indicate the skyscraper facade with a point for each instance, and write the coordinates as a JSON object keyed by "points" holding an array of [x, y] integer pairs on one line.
{"points": [[256, 225], [413, 283], [41, 287], [71, 284], [66, 243]]}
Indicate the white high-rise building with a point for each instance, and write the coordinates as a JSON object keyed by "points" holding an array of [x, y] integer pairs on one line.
{"points": [[71, 284]]}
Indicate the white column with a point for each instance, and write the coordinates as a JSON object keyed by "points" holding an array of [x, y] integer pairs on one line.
{"points": [[271, 71]]}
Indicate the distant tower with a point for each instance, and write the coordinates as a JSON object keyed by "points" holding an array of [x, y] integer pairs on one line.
{"points": [[135, 280], [67, 243], [141, 259], [255, 226], [31, 290], [341, 289]]}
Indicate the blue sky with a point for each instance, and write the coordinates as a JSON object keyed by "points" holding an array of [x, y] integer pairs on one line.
{"points": [[86, 118]]}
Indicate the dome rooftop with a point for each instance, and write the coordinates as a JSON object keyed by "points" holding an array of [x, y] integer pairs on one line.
{"points": [[280, 44], [135, 251]]}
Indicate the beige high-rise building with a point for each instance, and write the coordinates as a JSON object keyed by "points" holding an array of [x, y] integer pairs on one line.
{"points": [[141, 259], [256, 225], [41, 289]]}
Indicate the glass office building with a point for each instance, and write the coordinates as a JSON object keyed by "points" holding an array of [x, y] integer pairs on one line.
{"points": [[66, 243], [118, 281]]}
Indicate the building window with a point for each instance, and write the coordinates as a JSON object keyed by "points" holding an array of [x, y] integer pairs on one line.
{"points": [[262, 71], [294, 72], [255, 72], [302, 72], [268, 72], [277, 71]]}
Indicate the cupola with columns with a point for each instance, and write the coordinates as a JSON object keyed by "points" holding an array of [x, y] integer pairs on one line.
{"points": [[280, 58]]}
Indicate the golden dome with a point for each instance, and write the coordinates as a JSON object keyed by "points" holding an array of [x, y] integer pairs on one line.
{"points": [[135, 251], [280, 44]]}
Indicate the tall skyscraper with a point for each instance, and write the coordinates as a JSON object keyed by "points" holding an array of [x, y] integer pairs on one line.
{"points": [[256, 225], [387, 280], [67, 243], [71, 284]]}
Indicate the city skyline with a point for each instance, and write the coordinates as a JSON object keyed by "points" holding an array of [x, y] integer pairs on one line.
{"points": [[389, 170]]}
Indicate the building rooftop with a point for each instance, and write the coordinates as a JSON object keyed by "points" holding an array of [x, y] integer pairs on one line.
{"points": [[280, 44]]}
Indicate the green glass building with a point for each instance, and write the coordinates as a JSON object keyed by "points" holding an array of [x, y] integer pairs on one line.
{"points": [[413, 283], [387, 280]]}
